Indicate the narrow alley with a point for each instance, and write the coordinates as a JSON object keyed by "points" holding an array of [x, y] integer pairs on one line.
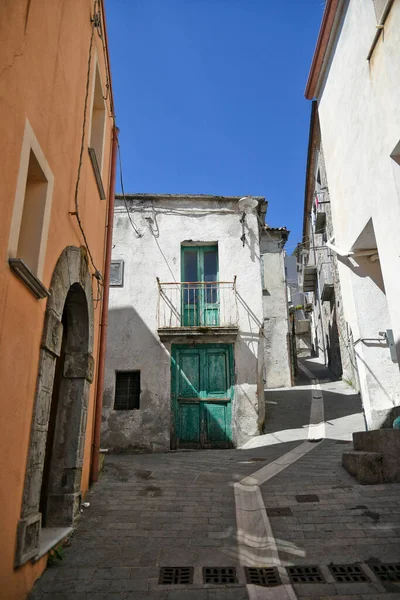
{"points": [[281, 512]]}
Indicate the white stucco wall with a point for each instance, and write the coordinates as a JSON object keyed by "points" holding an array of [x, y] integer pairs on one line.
{"points": [[359, 111], [133, 342], [277, 371]]}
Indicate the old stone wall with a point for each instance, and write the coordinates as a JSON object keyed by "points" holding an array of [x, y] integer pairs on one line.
{"points": [[277, 372]]}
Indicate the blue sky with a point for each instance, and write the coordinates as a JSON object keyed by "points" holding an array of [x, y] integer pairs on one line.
{"points": [[209, 97]]}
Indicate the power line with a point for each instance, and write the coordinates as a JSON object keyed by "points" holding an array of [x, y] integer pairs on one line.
{"points": [[135, 229]]}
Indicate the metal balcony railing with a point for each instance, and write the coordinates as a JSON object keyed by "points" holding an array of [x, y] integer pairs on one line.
{"points": [[197, 304]]}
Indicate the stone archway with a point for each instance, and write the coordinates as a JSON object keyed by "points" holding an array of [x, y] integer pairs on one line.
{"points": [[70, 302]]}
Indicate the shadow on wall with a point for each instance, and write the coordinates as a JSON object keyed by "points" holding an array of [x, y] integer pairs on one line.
{"points": [[132, 346], [361, 267]]}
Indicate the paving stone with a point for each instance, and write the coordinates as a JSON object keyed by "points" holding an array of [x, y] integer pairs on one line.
{"points": [[129, 585]]}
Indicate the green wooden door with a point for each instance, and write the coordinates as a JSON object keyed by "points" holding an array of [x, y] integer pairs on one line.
{"points": [[202, 391], [200, 293]]}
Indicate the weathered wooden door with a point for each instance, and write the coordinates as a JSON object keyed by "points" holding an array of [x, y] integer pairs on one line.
{"points": [[200, 292], [202, 392]]}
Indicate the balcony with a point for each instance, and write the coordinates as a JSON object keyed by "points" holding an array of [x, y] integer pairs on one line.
{"points": [[195, 309], [326, 281], [309, 278]]}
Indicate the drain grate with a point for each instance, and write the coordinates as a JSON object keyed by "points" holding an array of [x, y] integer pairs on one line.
{"points": [[310, 574], [307, 498], [348, 573], [265, 576], [221, 575], [387, 571], [171, 575], [283, 511]]}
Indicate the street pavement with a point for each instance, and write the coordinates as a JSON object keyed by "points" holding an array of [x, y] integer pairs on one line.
{"points": [[239, 508]]}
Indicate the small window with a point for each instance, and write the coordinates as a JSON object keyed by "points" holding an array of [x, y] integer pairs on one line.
{"points": [[98, 122], [127, 390], [117, 273], [30, 233]]}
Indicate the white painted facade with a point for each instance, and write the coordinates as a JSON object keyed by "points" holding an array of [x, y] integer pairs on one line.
{"points": [[359, 112], [164, 224]]}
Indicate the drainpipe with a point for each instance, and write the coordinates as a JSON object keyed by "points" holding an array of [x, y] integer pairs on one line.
{"points": [[94, 468]]}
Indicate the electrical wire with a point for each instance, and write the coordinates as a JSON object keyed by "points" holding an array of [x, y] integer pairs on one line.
{"points": [[135, 229], [99, 29], [97, 273]]}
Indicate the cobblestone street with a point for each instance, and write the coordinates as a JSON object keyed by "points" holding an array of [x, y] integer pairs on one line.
{"points": [[204, 509]]}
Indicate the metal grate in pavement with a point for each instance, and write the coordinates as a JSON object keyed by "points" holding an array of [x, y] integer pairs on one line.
{"points": [[221, 575], [348, 573], [307, 498], [282, 511], [387, 571], [265, 576], [173, 575], [309, 574]]}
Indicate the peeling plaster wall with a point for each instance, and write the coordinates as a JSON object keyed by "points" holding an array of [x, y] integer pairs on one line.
{"points": [[275, 307], [133, 342], [359, 111]]}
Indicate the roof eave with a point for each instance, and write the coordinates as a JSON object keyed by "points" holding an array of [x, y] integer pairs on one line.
{"points": [[310, 164], [325, 31]]}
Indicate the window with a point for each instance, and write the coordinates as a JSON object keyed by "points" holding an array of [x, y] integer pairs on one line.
{"points": [[127, 390], [200, 290], [117, 273], [31, 215], [98, 121]]}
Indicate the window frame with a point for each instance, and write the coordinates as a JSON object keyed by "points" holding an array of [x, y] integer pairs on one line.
{"points": [[97, 161], [30, 145]]}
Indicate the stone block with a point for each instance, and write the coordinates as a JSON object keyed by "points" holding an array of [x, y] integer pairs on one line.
{"points": [[386, 442], [79, 365], [74, 264], [28, 533], [62, 509], [46, 370], [52, 333], [366, 467], [33, 486], [38, 446], [42, 409]]}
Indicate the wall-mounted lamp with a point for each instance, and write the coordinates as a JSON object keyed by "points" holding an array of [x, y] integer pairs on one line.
{"points": [[246, 205]]}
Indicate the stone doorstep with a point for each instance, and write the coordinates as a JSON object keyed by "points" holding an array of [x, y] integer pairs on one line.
{"points": [[49, 538], [366, 467]]}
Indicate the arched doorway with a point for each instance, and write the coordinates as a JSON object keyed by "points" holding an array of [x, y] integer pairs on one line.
{"points": [[55, 459]]}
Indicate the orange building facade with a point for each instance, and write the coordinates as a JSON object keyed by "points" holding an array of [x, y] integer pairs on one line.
{"points": [[57, 149]]}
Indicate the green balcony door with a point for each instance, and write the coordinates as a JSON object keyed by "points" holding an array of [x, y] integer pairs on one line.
{"points": [[202, 392], [200, 293]]}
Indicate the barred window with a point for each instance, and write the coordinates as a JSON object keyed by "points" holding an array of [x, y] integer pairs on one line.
{"points": [[127, 390]]}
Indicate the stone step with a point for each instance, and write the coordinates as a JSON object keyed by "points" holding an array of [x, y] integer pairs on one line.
{"points": [[378, 440], [366, 467]]}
